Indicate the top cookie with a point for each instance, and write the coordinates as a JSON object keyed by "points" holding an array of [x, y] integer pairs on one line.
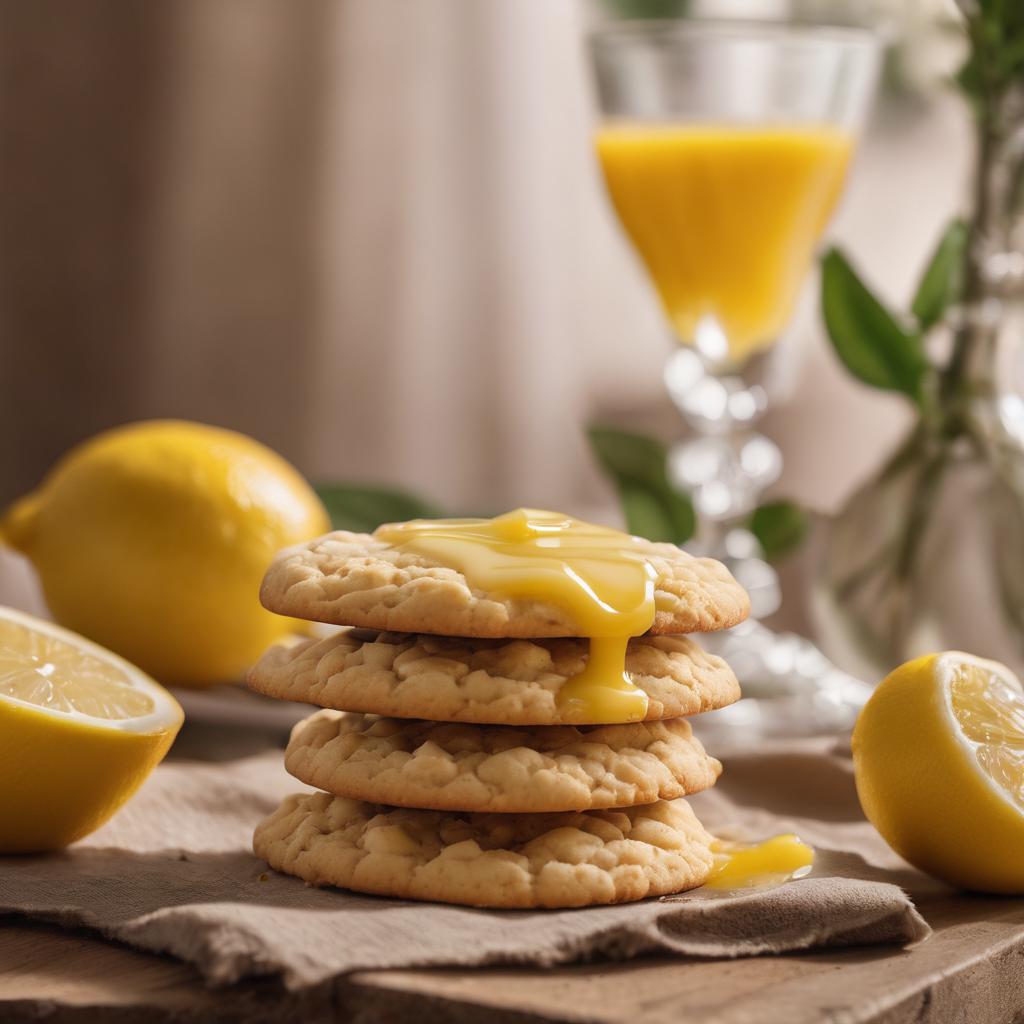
{"points": [[356, 579]]}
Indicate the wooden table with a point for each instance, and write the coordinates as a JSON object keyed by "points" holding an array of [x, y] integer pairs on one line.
{"points": [[971, 970]]}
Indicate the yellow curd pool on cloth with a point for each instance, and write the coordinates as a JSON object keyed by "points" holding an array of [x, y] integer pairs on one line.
{"points": [[598, 575], [759, 865]]}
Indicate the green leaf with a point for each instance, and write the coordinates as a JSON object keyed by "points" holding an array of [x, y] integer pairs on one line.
{"points": [[1011, 60], [995, 58], [646, 514], [363, 509], [868, 339], [971, 81], [779, 526], [659, 9], [652, 507], [942, 280]]}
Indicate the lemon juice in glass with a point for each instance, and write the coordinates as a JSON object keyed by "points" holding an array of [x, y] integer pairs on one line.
{"points": [[726, 218], [724, 147]]}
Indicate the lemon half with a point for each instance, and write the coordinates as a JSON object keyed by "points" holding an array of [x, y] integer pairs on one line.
{"points": [[80, 729], [939, 759]]}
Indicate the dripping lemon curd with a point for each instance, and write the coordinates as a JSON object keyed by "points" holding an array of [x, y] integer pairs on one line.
{"points": [[602, 578], [599, 576]]}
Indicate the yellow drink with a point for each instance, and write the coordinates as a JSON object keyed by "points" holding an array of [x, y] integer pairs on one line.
{"points": [[725, 217]]}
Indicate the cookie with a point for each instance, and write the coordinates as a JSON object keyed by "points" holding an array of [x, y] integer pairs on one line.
{"points": [[488, 860], [453, 767], [355, 579], [499, 682]]}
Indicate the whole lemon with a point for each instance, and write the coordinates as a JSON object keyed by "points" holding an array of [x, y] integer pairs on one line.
{"points": [[152, 539]]}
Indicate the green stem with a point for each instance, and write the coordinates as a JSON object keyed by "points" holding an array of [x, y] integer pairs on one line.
{"points": [[921, 503], [990, 115], [1015, 191], [911, 451], [951, 380]]}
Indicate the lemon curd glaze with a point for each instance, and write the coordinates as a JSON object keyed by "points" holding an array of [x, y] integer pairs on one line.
{"points": [[746, 865], [597, 575]]}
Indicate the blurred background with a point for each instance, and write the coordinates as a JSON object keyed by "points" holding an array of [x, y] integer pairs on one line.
{"points": [[373, 235]]}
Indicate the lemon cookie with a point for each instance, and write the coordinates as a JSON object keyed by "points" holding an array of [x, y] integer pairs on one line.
{"points": [[488, 860], [408, 763], [358, 579], [501, 682]]}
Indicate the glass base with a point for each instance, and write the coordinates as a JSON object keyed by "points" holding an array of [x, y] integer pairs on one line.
{"points": [[790, 688]]}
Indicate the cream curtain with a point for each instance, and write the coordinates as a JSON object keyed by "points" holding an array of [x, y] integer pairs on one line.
{"points": [[368, 232]]}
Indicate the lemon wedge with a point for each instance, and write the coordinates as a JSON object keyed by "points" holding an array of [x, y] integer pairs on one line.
{"points": [[80, 729], [939, 759]]}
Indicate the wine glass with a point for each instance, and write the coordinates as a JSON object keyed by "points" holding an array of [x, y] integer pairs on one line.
{"points": [[724, 147]]}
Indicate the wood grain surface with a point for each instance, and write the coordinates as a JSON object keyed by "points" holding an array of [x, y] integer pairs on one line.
{"points": [[971, 970]]}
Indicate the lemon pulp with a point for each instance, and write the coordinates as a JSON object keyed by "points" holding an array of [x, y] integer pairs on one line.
{"points": [[48, 672], [600, 576], [80, 729], [989, 709]]}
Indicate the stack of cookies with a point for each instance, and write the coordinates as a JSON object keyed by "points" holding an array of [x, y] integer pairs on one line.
{"points": [[447, 767]]}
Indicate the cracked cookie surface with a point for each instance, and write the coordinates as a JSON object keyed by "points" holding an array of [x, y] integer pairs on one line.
{"points": [[409, 763], [488, 860], [355, 579], [500, 682]]}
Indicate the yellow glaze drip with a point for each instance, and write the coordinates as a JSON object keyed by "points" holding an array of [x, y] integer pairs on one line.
{"points": [[597, 575], [745, 865], [602, 693]]}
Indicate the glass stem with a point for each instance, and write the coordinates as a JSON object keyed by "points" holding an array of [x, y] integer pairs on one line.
{"points": [[725, 466]]}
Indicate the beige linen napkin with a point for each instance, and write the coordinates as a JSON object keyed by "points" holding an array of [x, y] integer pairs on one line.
{"points": [[173, 873]]}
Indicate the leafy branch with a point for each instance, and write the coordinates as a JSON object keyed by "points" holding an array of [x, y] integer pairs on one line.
{"points": [[877, 346], [362, 509], [638, 467], [887, 351], [655, 508]]}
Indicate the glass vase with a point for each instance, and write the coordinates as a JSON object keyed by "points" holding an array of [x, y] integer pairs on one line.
{"points": [[928, 555]]}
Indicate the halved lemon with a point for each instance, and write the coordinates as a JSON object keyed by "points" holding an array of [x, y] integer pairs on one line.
{"points": [[939, 758], [80, 729]]}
